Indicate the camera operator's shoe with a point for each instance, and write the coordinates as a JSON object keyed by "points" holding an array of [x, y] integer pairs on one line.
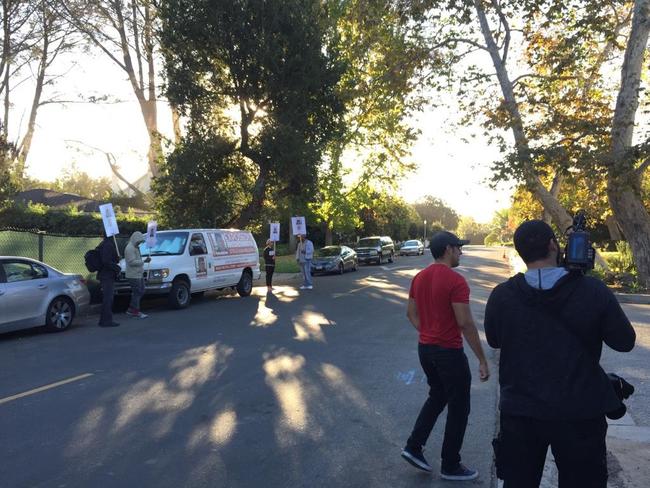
{"points": [[461, 473], [416, 458]]}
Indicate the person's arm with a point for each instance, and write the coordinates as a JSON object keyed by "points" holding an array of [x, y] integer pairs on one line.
{"points": [[490, 321], [468, 328], [617, 330], [131, 256], [412, 314]]}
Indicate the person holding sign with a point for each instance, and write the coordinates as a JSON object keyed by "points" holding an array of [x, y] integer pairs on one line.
{"points": [[134, 273], [269, 262], [106, 275], [304, 255]]}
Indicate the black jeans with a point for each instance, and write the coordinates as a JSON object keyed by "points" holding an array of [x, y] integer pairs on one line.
{"points": [[269, 274], [449, 381], [106, 317], [578, 447]]}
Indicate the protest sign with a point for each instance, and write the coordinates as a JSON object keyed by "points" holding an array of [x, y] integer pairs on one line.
{"points": [[298, 225]]}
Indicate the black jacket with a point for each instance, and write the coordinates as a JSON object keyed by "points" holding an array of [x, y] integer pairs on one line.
{"points": [[268, 259], [551, 342], [110, 268]]}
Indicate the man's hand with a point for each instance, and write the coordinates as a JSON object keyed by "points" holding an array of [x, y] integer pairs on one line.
{"points": [[483, 371]]}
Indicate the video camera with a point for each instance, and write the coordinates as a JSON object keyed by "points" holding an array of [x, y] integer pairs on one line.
{"points": [[578, 253]]}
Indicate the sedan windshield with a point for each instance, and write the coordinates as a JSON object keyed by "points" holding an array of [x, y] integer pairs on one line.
{"points": [[329, 251], [411, 243], [167, 243], [369, 242]]}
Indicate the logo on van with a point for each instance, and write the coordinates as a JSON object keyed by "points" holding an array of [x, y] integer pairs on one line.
{"points": [[232, 243]]}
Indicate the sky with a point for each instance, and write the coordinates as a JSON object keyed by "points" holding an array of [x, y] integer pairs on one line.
{"points": [[79, 133]]}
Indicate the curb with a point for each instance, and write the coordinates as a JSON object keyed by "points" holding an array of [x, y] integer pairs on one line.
{"points": [[638, 299]]}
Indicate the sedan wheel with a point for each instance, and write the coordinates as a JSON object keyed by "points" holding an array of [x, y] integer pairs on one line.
{"points": [[59, 314], [341, 268]]}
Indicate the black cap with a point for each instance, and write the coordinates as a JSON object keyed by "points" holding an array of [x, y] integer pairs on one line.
{"points": [[440, 240], [531, 240]]}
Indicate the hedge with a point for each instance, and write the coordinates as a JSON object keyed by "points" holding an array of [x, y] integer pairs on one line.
{"points": [[68, 222]]}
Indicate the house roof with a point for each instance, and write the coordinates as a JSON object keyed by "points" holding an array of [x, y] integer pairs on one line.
{"points": [[56, 199]]}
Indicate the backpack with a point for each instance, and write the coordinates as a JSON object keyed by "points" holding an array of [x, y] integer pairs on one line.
{"points": [[93, 260]]}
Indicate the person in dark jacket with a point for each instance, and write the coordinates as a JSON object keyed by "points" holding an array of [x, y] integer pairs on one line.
{"points": [[269, 264], [550, 325], [106, 275]]}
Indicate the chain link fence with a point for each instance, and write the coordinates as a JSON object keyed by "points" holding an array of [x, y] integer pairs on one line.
{"points": [[65, 253]]}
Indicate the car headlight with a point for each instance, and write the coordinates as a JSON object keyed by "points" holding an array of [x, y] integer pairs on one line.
{"points": [[159, 274]]}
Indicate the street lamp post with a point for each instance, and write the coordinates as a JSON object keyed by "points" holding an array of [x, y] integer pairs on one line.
{"points": [[425, 232]]}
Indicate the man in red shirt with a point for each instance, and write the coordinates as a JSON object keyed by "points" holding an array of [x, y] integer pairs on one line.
{"points": [[439, 309]]}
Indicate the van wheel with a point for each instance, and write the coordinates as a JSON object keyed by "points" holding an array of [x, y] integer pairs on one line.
{"points": [[179, 296], [59, 314], [245, 285]]}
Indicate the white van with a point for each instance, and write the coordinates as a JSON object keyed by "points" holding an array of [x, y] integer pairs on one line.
{"points": [[192, 261]]}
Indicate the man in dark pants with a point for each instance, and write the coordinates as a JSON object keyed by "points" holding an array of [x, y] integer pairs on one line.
{"points": [[439, 309], [550, 325], [106, 276]]}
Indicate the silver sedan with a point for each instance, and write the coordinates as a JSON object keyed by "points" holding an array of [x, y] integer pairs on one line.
{"points": [[413, 247], [33, 294]]}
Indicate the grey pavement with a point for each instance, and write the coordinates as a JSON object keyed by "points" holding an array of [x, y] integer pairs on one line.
{"points": [[312, 388]]}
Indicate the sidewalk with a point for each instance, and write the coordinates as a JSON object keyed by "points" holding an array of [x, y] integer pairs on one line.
{"points": [[628, 444]]}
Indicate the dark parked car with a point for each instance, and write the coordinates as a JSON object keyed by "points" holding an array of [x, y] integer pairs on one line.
{"points": [[334, 259], [413, 248], [375, 249]]}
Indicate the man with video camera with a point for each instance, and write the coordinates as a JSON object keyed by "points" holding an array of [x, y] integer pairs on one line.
{"points": [[550, 324]]}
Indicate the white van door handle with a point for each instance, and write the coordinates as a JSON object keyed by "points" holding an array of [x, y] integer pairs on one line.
{"points": [[42, 287]]}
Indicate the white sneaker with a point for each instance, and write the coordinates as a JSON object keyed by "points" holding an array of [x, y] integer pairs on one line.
{"points": [[310, 287], [142, 315], [303, 287]]}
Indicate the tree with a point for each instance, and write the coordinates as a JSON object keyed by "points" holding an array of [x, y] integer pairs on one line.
{"points": [[387, 214], [273, 61], [202, 183], [626, 163], [468, 228], [126, 33], [433, 209], [33, 37], [556, 104], [76, 182], [384, 59]]}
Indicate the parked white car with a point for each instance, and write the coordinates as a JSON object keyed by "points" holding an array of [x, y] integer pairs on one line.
{"points": [[33, 294], [192, 261], [413, 247]]}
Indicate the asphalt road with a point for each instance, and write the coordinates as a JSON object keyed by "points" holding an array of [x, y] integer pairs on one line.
{"points": [[311, 389]]}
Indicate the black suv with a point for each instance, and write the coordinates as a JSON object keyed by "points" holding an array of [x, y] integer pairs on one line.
{"points": [[375, 249]]}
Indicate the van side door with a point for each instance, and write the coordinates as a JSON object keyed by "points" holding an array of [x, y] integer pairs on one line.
{"points": [[198, 251]]}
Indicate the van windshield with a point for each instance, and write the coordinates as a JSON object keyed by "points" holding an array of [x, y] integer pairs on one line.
{"points": [[167, 244], [369, 242]]}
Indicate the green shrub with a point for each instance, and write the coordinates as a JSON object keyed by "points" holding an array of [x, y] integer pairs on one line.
{"points": [[68, 222], [622, 261]]}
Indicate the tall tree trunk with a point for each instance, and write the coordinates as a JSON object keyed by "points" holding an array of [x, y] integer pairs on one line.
{"points": [[550, 204], [624, 181], [328, 234], [176, 124], [556, 185], [255, 205], [26, 143]]}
